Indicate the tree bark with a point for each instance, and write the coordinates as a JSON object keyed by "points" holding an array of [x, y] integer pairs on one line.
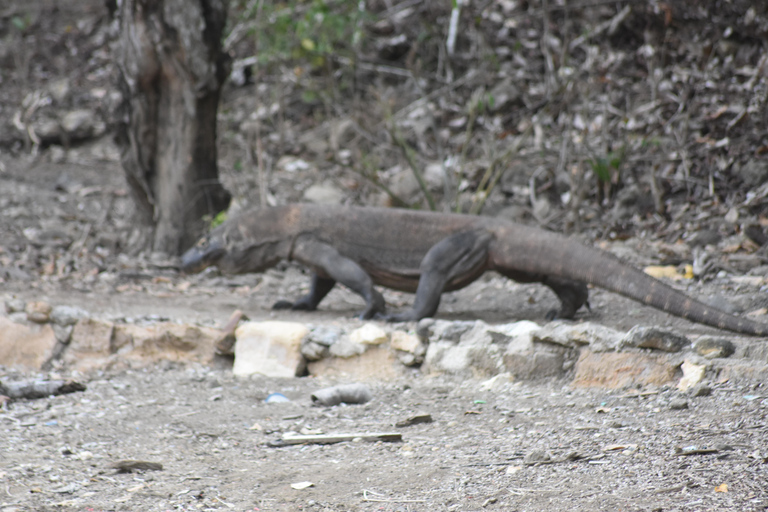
{"points": [[171, 72]]}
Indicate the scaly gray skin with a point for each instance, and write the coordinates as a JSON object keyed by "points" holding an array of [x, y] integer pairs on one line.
{"points": [[429, 253]]}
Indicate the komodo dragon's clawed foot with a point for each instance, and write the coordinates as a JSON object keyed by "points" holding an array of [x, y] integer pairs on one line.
{"points": [[376, 306]]}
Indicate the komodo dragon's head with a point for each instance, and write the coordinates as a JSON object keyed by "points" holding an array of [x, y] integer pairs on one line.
{"points": [[238, 246], [206, 252]]}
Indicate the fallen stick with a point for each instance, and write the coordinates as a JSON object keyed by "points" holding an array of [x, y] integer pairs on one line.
{"points": [[32, 389], [290, 439]]}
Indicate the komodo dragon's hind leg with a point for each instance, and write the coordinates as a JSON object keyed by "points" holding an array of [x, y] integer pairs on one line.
{"points": [[459, 257], [318, 290], [572, 295]]}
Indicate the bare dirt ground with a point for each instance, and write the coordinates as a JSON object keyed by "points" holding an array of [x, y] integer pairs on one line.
{"points": [[65, 221], [514, 447]]}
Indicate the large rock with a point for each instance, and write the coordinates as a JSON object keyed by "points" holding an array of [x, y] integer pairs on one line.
{"points": [[377, 363], [475, 354], [90, 345], [29, 346], [692, 374], [96, 344], [541, 360], [408, 347], [599, 337], [368, 334], [67, 315], [620, 369], [526, 359], [324, 193], [165, 341], [269, 348], [654, 338]]}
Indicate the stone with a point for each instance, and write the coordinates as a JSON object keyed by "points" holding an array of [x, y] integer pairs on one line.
{"points": [[541, 361], [90, 345], [377, 363], [405, 342], [325, 335], [27, 346], [18, 317], [513, 330], [92, 337], [313, 351], [614, 370], [476, 358], [701, 390], [711, 348], [82, 124], [408, 359], [403, 184], [654, 338], [369, 334], [598, 337], [497, 382], [524, 359], [142, 345], [345, 348], [316, 344], [293, 164], [38, 312], [269, 348], [67, 315], [324, 193], [15, 305], [678, 404], [409, 348], [522, 344], [444, 330], [692, 374]]}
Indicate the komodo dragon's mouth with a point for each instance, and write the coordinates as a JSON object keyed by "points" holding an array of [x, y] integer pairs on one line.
{"points": [[202, 256]]}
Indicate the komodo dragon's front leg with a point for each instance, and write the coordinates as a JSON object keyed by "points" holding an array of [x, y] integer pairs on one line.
{"points": [[461, 257], [330, 267]]}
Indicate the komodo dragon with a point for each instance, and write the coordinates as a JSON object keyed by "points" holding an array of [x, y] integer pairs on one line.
{"points": [[429, 253]]}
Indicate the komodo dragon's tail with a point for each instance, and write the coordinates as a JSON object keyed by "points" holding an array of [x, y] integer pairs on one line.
{"points": [[553, 254]]}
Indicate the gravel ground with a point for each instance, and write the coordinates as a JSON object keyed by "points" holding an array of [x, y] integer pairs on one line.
{"points": [[492, 445]]}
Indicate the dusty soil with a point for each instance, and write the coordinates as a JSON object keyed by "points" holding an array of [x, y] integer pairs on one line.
{"points": [[65, 224], [596, 450]]}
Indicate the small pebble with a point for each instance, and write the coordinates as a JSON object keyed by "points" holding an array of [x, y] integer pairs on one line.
{"points": [[702, 390], [711, 348], [677, 405], [38, 312]]}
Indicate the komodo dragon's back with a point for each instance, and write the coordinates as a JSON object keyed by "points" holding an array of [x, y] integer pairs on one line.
{"points": [[385, 238]]}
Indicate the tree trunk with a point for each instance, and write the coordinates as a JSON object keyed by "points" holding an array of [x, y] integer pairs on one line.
{"points": [[171, 72]]}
